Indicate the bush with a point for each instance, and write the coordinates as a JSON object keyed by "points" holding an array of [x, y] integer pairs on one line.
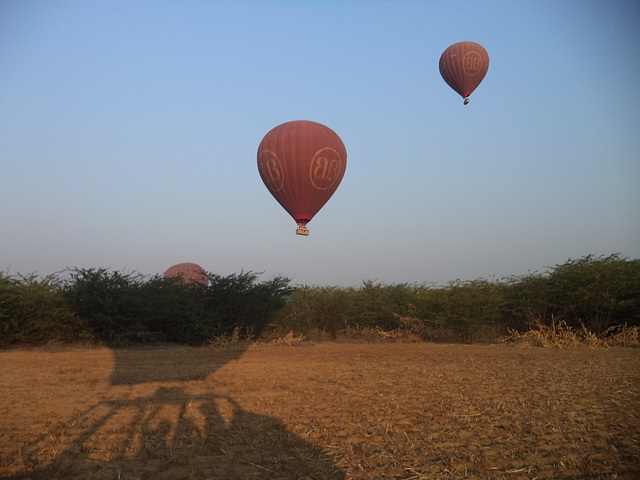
{"points": [[175, 311], [594, 292], [528, 302], [34, 310], [110, 303], [239, 300], [468, 311], [310, 310], [379, 305], [461, 311], [591, 295], [121, 309], [599, 292]]}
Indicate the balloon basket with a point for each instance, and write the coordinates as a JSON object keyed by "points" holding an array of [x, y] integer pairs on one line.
{"points": [[302, 231]]}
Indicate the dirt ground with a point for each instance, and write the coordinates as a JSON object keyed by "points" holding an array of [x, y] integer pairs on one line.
{"points": [[324, 411]]}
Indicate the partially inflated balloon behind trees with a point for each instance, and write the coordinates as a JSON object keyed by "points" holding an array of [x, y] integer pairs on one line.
{"points": [[189, 272]]}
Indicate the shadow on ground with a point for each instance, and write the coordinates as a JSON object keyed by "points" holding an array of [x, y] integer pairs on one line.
{"points": [[172, 433], [168, 363]]}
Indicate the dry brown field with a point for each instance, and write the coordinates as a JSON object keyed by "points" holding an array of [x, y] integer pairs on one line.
{"points": [[320, 411]]}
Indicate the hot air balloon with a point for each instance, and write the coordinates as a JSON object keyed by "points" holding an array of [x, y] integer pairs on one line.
{"points": [[302, 163], [189, 272], [463, 66]]}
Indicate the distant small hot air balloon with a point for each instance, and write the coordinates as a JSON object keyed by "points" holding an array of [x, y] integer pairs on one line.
{"points": [[302, 163], [463, 66], [189, 272]]}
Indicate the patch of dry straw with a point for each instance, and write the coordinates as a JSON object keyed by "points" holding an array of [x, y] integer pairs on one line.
{"points": [[560, 335]]}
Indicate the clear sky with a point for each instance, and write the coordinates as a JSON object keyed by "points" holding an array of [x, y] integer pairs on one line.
{"points": [[129, 132]]}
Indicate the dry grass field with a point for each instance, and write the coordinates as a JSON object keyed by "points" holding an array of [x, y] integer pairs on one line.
{"points": [[323, 411]]}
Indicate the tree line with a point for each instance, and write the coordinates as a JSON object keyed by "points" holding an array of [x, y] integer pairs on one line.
{"points": [[98, 305]]}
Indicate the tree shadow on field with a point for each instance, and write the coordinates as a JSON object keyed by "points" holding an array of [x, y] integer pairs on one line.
{"points": [[173, 433]]}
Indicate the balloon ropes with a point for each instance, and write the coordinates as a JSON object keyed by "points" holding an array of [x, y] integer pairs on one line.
{"points": [[302, 163], [463, 66], [188, 272]]}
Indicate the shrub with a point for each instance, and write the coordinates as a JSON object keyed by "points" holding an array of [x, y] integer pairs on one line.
{"points": [[121, 309], [594, 292], [467, 311], [310, 310], [461, 311], [528, 301], [33, 310], [591, 295], [174, 311], [379, 305], [599, 292], [110, 304], [239, 300]]}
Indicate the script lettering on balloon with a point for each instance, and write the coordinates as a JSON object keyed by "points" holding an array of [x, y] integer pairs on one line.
{"points": [[325, 168], [472, 63], [271, 169]]}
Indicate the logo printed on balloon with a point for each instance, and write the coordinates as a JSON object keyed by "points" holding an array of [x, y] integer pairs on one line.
{"points": [[472, 63], [325, 168], [271, 169]]}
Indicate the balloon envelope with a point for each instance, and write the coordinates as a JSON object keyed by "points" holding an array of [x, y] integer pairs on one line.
{"points": [[302, 163], [463, 66], [189, 272]]}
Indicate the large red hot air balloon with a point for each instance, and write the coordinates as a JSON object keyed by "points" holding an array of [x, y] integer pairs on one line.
{"points": [[463, 66], [302, 163], [189, 272]]}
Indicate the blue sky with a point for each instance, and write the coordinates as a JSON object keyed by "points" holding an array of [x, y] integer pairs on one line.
{"points": [[129, 132]]}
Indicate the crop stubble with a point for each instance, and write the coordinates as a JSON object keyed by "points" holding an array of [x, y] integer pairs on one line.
{"points": [[325, 411]]}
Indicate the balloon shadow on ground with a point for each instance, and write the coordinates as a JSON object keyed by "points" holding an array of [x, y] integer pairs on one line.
{"points": [[139, 365], [175, 434]]}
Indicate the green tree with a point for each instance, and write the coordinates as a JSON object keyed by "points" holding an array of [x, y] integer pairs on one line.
{"points": [[378, 305], [470, 310], [529, 302], [33, 310], [124, 308], [597, 291], [240, 300], [110, 303], [312, 309]]}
